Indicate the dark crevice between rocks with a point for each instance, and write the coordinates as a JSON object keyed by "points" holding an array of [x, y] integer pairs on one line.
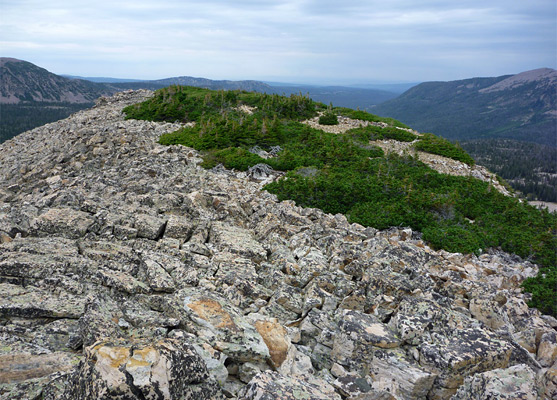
{"points": [[13, 280], [14, 231], [387, 318], [208, 234], [79, 246], [162, 230], [189, 234], [172, 328]]}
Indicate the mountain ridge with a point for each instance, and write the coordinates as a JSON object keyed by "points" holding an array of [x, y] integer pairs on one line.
{"points": [[520, 107], [25, 82], [126, 267]]}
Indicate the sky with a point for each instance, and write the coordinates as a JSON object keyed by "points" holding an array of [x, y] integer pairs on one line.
{"points": [[303, 41]]}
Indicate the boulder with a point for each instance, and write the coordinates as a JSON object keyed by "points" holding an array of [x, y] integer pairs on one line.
{"points": [[547, 349], [403, 377], [215, 321], [64, 222], [270, 385], [167, 369], [514, 383], [237, 241], [466, 352], [149, 227]]}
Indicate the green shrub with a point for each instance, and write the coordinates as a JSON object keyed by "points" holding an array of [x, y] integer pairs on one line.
{"points": [[372, 132], [328, 119], [365, 116], [437, 145], [542, 288], [231, 158]]}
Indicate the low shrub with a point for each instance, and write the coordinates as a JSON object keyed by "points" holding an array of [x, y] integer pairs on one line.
{"points": [[372, 132], [437, 145], [328, 119]]}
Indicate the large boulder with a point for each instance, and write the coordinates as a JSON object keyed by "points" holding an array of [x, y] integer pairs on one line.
{"points": [[514, 383], [164, 370], [271, 385]]}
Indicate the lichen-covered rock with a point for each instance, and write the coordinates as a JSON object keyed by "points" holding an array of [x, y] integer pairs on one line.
{"points": [[158, 279], [488, 312], [276, 338], [401, 376], [547, 349], [516, 383], [21, 367], [33, 302], [149, 227], [63, 222], [547, 382], [238, 241], [167, 369], [223, 327], [179, 227], [273, 386], [466, 352], [359, 335]]}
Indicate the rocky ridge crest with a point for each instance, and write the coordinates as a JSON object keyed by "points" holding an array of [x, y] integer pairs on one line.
{"points": [[127, 271]]}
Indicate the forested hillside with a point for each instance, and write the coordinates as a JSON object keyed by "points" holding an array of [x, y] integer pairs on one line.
{"points": [[17, 118], [528, 167], [520, 107]]}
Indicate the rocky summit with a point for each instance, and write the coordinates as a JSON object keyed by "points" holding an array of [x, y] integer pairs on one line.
{"points": [[129, 272]]}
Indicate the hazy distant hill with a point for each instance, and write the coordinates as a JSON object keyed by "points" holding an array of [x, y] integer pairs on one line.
{"points": [[253, 86], [521, 107], [340, 96], [31, 96]]}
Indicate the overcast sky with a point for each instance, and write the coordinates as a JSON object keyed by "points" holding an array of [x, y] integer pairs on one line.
{"points": [[310, 41]]}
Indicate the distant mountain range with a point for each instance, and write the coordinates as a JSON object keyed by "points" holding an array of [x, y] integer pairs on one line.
{"points": [[521, 107], [31, 96]]}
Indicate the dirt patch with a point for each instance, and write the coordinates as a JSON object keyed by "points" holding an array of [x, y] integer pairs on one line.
{"points": [[551, 207]]}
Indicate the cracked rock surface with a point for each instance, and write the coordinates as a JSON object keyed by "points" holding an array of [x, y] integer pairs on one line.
{"points": [[129, 272]]}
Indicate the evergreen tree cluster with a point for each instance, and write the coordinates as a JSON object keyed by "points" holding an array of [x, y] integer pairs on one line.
{"points": [[528, 167], [18, 118]]}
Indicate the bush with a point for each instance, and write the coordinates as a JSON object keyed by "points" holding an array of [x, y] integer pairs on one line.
{"points": [[542, 288], [437, 145], [231, 158], [372, 132], [328, 119], [365, 116]]}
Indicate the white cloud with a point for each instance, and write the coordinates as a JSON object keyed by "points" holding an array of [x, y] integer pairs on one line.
{"points": [[361, 40]]}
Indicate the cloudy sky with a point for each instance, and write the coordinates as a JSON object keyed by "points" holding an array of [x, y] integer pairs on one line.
{"points": [[310, 41]]}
